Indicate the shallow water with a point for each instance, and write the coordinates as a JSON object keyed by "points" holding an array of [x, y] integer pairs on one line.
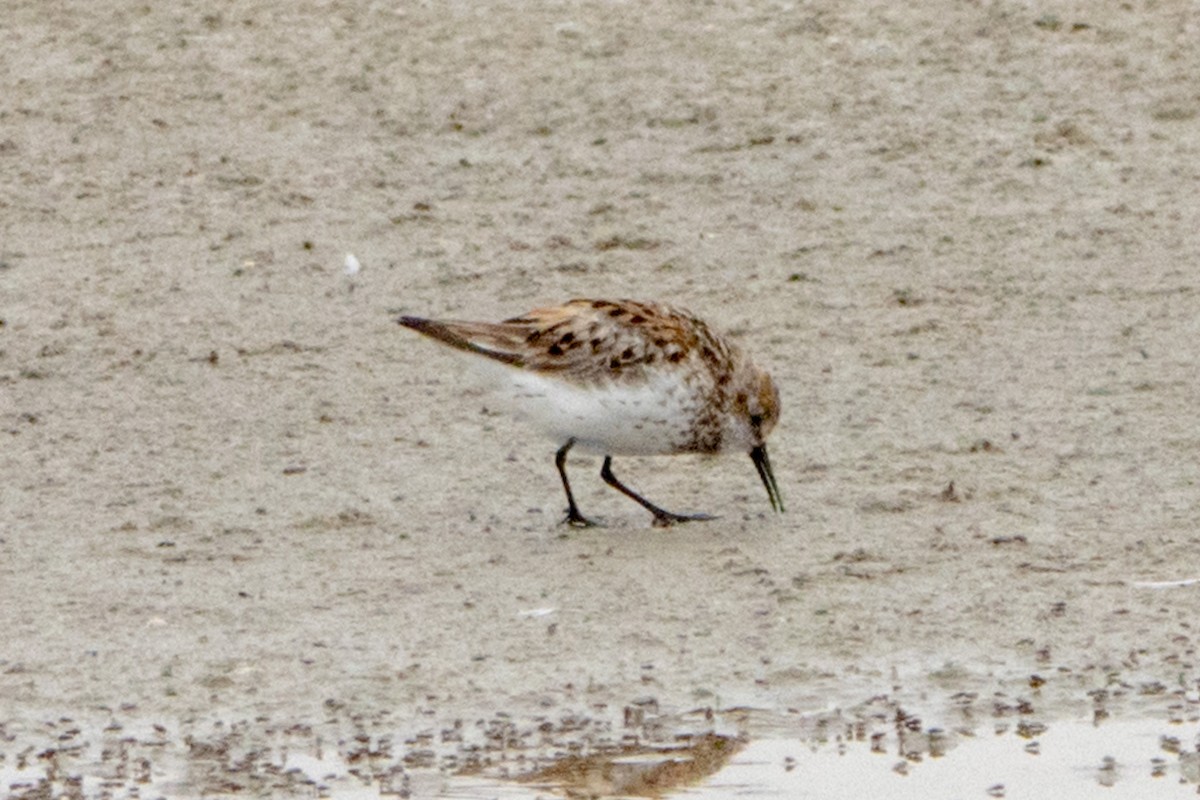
{"points": [[1133, 759], [876, 755]]}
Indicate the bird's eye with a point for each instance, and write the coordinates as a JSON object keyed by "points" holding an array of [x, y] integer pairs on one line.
{"points": [[756, 421]]}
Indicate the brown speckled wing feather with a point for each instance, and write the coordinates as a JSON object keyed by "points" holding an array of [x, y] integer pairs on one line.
{"points": [[589, 339], [596, 339]]}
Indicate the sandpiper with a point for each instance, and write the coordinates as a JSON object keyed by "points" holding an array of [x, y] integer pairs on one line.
{"points": [[623, 377]]}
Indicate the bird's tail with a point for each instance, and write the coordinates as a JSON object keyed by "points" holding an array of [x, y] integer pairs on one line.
{"points": [[496, 341]]}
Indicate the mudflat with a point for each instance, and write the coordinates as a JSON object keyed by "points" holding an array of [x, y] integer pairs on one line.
{"points": [[237, 500]]}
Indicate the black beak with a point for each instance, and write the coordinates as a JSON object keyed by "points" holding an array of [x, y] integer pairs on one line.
{"points": [[763, 464]]}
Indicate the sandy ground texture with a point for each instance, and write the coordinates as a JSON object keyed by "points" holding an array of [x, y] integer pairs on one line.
{"points": [[237, 500]]}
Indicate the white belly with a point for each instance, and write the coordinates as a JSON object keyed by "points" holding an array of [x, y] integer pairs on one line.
{"points": [[652, 418]]}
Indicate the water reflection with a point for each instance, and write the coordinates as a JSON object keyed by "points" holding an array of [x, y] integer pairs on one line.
{"points": [[1133, 759], [992, 747]]}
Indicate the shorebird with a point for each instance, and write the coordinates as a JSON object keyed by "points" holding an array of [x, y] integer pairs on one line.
{"points": [[622, 377]]}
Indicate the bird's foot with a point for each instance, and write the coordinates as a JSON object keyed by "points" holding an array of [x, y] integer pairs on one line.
{"points": [[665, 519], [577, 520]]}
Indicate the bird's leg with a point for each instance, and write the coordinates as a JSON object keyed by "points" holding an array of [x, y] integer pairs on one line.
{"points": [[574, 518], [662, 517]]}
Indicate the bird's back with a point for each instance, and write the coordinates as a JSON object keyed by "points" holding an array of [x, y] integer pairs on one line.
{"points": [[620, 377]]}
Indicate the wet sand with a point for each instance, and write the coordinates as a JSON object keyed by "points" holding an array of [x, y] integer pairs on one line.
{"points": [[235, 496]]}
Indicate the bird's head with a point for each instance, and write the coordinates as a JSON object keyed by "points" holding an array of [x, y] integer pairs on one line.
{"points": [[755, 412]]}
